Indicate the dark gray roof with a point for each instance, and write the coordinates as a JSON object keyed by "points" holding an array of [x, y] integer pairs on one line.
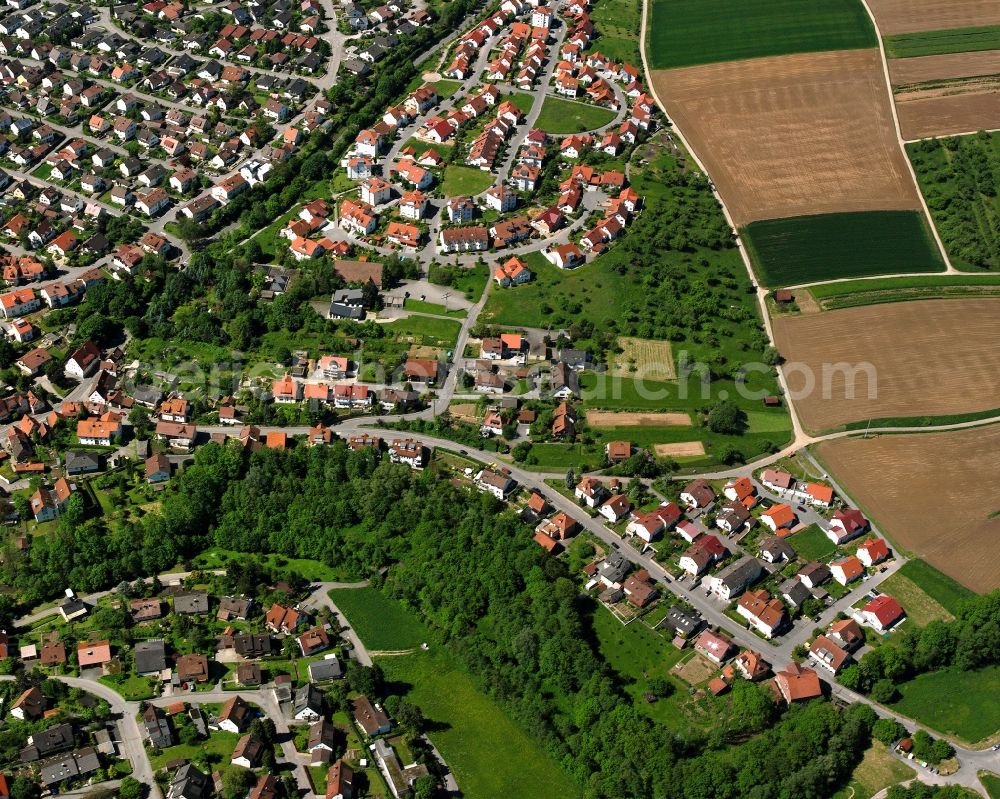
{"points": [[189, 783], [795, 591], [150, 656], [41, 744], [326, 669], [191, 602], [77, 460]]}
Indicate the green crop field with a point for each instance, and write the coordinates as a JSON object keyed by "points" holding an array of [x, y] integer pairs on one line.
{"points": [[570, 116], [459, 180], [490, 756], [960, 179], [953, 40], [946, 701], [689, 32], [806, 249], [380, 622], [852, 293], [939, 587]]}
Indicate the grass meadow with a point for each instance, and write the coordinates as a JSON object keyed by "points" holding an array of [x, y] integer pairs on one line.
{"points": [[380, 622], [943, 701], [570, 116]]}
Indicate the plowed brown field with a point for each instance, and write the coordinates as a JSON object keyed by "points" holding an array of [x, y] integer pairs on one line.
{"points": [[907, 71], [928, 358], [940, 113], [932, 493], [910, 16], [788, 136]]}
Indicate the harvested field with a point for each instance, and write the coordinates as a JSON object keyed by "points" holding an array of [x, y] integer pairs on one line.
{"points": [[908, 71], [910, 16], [613, 419], [924, 358], [644, 359], [680, 449], [467, 411], [696, 670], [902, 481], [793, 135], [926, 114]]}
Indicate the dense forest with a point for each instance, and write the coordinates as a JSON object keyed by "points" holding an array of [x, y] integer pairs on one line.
{"points": [[469, 569]]}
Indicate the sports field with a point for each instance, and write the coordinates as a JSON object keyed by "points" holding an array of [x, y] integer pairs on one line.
{"points": [[903, 481], [795, 135], [904, 360], [815, 248], [689, 32], [911, 16]]}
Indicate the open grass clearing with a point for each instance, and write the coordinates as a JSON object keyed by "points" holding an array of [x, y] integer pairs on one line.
{"points": [[941, 588], [920, 608], [380, 622], [490, 756], [460, 180], [812, 544], [877, 770], [687, 32], [425, 330], [651, 359], [828, 246], [902, 481], [422, 306], [965, 704], [991, 782], [570, 116]]}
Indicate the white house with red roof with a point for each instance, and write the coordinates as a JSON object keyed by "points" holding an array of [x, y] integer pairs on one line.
{"points": [[873, 551], [882, 613], [847, 524], [847, 570]]}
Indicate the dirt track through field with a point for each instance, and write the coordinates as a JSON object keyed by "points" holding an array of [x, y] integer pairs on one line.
{"points": [[910, 16], [679, 449], [924, 114], [793, 135], [623, 419], [908, 71], [924, 358], [932, 494]]}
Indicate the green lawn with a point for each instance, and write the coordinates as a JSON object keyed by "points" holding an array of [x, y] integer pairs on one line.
{"points": [[380, 622], [470, 282], [445, 88], [991, 782], [490, 756], [807, 249], [953, 40], [133, 688], [688, 32], [570, 116], [433, 308], [812, 544], [878, 769], [959, 180], [459, 180], [426, 330], [218, 749], [522, 100], [963, 704], [938, 586], [852, 293]]}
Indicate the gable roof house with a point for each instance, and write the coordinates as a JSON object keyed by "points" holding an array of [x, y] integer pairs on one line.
{"points": [[736, 578], [882, 613], [698, 494], [847, 570]]}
